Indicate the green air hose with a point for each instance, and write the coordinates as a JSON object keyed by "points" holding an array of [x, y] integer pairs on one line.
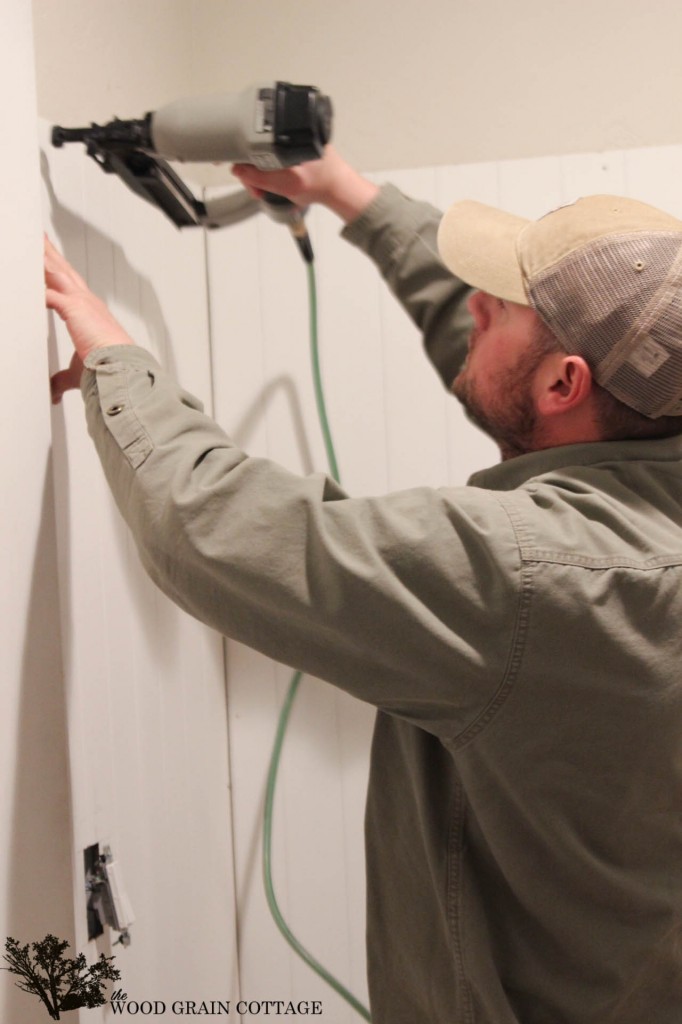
{"points": [[291, 694]]}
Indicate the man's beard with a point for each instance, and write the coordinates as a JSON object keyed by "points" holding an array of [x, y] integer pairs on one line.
{"points": [[509, 417]]}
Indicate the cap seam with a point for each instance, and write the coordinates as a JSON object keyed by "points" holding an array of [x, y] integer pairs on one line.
{"points": [[599, 242]]}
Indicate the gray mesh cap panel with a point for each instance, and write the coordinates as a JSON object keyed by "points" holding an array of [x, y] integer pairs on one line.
{"points": [[618, 302]]}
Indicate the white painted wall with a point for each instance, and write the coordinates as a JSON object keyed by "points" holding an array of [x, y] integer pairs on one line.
{"points": [[146, 696], [35, 833], [415, 83], [96, 59], [424, 82]]}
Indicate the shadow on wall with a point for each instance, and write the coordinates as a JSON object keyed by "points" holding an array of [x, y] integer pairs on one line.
{"points": [[68, 225], [40, 882], [286, 387]]}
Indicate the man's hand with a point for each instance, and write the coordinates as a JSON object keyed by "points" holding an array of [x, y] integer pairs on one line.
{"points": [[87, 318], [66, 380], [330, 181]]}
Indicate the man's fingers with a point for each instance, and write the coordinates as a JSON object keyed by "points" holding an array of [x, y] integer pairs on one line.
{"points": [[55, 263], [284, 182], [59, 383], [88, 320], [55, 298], [66, 380], [54, 293]]}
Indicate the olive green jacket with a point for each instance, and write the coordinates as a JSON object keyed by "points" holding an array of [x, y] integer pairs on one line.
{"points": [[521, 640]]}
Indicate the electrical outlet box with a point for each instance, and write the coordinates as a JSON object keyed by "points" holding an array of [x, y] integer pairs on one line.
{"points": [[91, 861], [107, 899]]}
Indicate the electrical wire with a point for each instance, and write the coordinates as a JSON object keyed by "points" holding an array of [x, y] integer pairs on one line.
{"points": [[291, 695]]}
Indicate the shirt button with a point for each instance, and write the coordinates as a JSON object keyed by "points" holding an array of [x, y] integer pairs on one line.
{"points": [[114, 410]]}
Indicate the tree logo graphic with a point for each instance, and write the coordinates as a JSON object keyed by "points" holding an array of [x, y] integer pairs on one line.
{"points": [[61, 983]]}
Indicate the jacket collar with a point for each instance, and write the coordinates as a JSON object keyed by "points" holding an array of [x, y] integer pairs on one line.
{"points": [[515, 472]]}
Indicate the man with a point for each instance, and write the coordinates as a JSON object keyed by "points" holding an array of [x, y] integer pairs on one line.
{"points": [[519, 636]]}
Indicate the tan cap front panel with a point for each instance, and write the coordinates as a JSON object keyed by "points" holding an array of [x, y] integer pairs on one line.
{"points": [[478, 244]]}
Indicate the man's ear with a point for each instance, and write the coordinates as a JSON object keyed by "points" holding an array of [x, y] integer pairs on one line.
{"points": [[563, 384]]}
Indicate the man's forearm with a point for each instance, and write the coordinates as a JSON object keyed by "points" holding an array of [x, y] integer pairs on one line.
{"points": [[399, 236], [352, 200]]}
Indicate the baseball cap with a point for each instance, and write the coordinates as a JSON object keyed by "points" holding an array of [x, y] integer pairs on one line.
{"points": [[605, 275]]}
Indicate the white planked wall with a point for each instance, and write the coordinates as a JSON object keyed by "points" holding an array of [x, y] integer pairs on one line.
{"points": [[145, 683], [35, 834], [150, 732]]}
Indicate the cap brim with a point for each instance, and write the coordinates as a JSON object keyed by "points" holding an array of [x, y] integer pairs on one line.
{"points": [[478, 243]]}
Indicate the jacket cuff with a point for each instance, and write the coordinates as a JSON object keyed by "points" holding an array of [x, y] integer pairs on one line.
{"points": [[111, 379]]}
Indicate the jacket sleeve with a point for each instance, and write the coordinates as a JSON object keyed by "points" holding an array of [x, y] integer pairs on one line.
{"points": [[399, 235], [407, 601]]}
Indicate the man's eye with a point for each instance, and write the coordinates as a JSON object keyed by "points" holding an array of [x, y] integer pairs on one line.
{"points": [[501, 303]]}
